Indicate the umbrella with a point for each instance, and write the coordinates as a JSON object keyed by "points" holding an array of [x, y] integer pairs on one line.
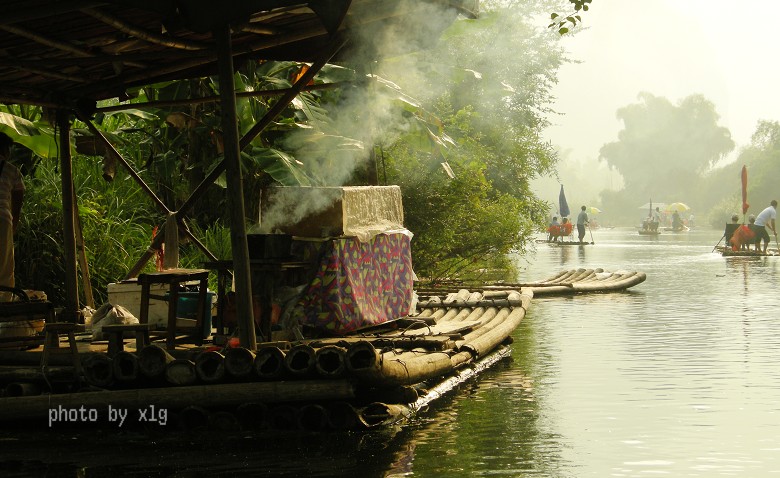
{"points": [[652, 205], [745, 204], [594, 210], [563, 206], [677, 206]]}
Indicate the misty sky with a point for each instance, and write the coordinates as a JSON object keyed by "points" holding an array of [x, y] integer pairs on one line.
{"points": [[723, 49]]}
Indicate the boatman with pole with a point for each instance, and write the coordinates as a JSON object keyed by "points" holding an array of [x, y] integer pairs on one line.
{"points": [[582, 219], [766, 218]]}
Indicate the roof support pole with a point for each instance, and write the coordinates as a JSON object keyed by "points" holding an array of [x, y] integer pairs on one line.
{"points": [[71, 311], [269, 116], [235, 197], [110, 147]]}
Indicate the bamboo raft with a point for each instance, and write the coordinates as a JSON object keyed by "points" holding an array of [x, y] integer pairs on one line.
{"points": [[566, 243], [576, 281], [380, 376], [728, 252]]}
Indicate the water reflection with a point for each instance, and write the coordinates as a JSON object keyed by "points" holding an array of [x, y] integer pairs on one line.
{"points": [[677, 377]]}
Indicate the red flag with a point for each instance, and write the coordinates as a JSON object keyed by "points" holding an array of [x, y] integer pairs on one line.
{"points": [[745, 204]]}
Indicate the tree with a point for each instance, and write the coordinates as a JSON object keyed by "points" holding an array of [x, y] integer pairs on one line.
{"points": [[664, 150], [489, 83]]}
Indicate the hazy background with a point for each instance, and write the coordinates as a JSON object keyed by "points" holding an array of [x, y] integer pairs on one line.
{"points": [[723, 50]]}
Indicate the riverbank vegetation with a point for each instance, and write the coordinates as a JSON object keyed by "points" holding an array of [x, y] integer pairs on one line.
{"points": [[458, 127]]}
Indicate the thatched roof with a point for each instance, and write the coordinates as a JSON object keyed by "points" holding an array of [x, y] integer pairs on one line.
{"points": [[73, 53]]}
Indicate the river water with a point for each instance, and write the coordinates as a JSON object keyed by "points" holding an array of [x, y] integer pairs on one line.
{"points": [[678, 377]]}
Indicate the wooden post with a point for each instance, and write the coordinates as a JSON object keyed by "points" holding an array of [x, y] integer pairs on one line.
{"points": [[85, 278], [71, 311], [235, 197]]}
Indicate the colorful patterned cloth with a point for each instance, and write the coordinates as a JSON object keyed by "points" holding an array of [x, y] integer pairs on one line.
{"points": [[358, 284]]}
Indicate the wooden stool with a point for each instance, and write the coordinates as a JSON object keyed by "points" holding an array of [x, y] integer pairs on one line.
{"points": [[175, 277], [51, 344], [115, 333]]}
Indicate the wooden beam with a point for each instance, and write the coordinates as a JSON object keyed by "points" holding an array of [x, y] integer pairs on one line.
{"points": [[71, 311], [175, 398], [110, 147], [142, 34], [214, 99], [52, 10], [235, 199]]}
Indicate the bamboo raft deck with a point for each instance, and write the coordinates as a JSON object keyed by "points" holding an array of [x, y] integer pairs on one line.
{"points": [[567, 243], [382, 375], [728, 252]]}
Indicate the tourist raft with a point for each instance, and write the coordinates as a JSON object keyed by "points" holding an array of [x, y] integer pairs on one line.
{"points": [[730, 252], [377, 376]]}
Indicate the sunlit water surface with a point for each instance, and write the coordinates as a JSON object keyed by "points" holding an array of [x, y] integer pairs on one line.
{"points": [[678, 377]]}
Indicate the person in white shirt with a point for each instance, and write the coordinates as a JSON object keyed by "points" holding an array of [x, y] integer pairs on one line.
{"points": [[766, 219]]}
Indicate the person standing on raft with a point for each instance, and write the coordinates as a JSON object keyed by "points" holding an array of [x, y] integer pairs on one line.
{"points": [[766, 218], [582, 220]]}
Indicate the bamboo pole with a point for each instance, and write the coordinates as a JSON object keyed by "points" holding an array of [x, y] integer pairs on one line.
{"points": [[343, 416], [22, 389], [224, 421], [153, 360], [269, 363], [32, 373], [252, 415], [71, 311], [330, 361], [381, 414], [240, 363], [181, 372], [300, 360], [89, 299], [177, 398], [283, 417], [214, 99], [235, 200], [98, 370], [210, 366], [312, 417], [193, 418], [409, 368], [125, 366]]}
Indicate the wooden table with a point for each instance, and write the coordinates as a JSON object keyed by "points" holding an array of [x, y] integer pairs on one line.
{"points": [[174, 278]]}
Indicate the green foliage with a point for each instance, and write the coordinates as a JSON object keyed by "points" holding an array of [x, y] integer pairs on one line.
{"points": [[761, 157], [475, 104], [488, 86], [115, 221], [463, 227], [564, 23], [664, 150]]}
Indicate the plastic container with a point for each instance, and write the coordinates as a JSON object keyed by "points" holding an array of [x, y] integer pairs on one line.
{"points": [[187, 308], [128, 295]]}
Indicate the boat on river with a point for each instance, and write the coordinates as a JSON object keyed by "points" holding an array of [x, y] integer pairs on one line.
{"points": [[375, 376], [565, 243], [729, 252], [648, 232]]}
